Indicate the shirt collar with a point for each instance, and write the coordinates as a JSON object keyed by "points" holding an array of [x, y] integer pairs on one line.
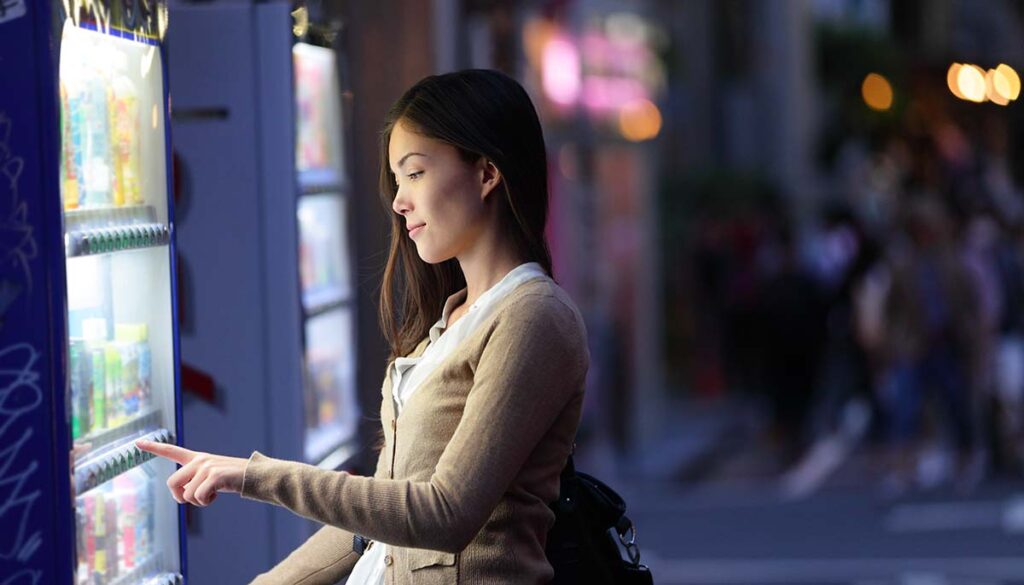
{"points": [[515, 276]]}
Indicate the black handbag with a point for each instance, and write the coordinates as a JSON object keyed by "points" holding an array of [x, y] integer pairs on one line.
{"points": [[591, 533]]}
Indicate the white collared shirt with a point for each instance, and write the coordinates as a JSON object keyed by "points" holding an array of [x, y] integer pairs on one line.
{"points": [[408, 373]]}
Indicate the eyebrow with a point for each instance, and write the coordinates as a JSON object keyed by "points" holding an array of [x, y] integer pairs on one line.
{"points": [[401, 161]]}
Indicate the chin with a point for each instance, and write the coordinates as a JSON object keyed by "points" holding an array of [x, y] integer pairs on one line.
{"points": [[433, 258]]}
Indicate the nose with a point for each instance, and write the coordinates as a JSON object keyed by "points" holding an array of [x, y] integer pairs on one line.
{"points": [[400, 205]]}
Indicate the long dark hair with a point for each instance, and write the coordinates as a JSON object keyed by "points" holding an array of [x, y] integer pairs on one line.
{"points": [[482, 114]]}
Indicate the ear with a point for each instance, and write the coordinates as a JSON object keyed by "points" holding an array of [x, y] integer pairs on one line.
{"points": [[490, 177]]}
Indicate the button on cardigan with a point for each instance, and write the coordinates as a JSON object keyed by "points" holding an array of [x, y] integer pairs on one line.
{"points": [[463, 482]]}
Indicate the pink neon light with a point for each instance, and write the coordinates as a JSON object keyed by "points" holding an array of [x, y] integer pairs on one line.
{"points": [[609, 93], [561, 66]]}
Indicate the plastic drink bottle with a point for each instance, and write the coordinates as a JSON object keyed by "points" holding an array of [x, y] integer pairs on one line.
{"points": [[68, 165], [95, 331], [126, 490], [110, 502], [81, 388], [145, 357], [115, 395], [124, 125], [96, 171], [99, 528], [128, 344]]}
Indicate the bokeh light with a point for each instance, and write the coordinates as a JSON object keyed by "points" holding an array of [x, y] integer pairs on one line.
{"points": [[997, 87], [561, 71], [640, 120], [953, 80], [971, 83], [877, 92], [1012, 78]]}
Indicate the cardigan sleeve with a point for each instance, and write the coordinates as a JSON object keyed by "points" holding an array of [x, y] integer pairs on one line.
{"points": [[324, 559], [533, 363]]}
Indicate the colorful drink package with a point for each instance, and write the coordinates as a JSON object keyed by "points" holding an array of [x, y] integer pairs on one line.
{"points": [[114, 401], [145, 357], [127, 339], [99, 531], [68, 166], [80, 408]]}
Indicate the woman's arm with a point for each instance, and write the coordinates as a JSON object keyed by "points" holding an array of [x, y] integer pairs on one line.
{"points": [[533, 364], [324, 559]]}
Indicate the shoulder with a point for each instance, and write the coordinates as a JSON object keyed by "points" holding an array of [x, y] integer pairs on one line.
{"points": [[542, 312]]}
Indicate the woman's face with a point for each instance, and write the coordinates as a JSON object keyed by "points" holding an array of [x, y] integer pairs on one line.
{"points": [[440, 195]]}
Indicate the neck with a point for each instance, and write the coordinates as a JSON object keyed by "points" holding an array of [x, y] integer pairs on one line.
{"points": [[485, 266]]}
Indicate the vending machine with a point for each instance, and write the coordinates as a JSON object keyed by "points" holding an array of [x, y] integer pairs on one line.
{"points": [[88, 336], [266, 261], [325, 270]]}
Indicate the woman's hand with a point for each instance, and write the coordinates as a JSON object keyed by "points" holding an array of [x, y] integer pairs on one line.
{"points": [[201, 476]]}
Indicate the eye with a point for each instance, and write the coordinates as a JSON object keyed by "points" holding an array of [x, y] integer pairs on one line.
{"points": [[414, 176]]}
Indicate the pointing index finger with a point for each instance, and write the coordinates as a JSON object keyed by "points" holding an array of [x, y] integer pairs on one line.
{"points": [[172, 452]]}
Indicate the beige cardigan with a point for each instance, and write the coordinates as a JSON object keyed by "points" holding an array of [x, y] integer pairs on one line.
{"points": [[463, 482]]}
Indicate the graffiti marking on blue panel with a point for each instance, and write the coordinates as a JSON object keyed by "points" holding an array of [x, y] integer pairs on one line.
{"points": [[11, 9], [17, 241], [24, 577], [20, 396]]}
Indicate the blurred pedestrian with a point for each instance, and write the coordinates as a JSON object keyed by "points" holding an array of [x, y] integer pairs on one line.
{"points": [[931, 342]]}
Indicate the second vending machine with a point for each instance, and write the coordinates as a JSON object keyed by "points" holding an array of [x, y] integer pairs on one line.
{"points": [[268, 299]]}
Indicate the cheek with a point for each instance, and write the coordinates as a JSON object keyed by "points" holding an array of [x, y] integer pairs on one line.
{"points": [[456, 204]]}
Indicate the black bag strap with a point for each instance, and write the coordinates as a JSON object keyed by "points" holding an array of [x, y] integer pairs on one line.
{"points": [[569, 471]]}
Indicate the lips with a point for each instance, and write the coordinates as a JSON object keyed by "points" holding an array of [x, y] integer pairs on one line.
{"points": [[415, 229]]}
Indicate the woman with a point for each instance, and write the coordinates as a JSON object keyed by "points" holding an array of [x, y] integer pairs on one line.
{"points": [[480, 408]]}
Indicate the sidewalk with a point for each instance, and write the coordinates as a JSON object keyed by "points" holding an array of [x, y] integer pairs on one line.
{"points": [[694, 437]]}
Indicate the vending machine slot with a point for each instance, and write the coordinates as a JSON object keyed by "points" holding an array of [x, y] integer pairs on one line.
{"points": [[116, 239], [105, 464]]}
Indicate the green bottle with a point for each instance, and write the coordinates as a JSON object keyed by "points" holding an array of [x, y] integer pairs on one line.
{"points": [[95, 331]]}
